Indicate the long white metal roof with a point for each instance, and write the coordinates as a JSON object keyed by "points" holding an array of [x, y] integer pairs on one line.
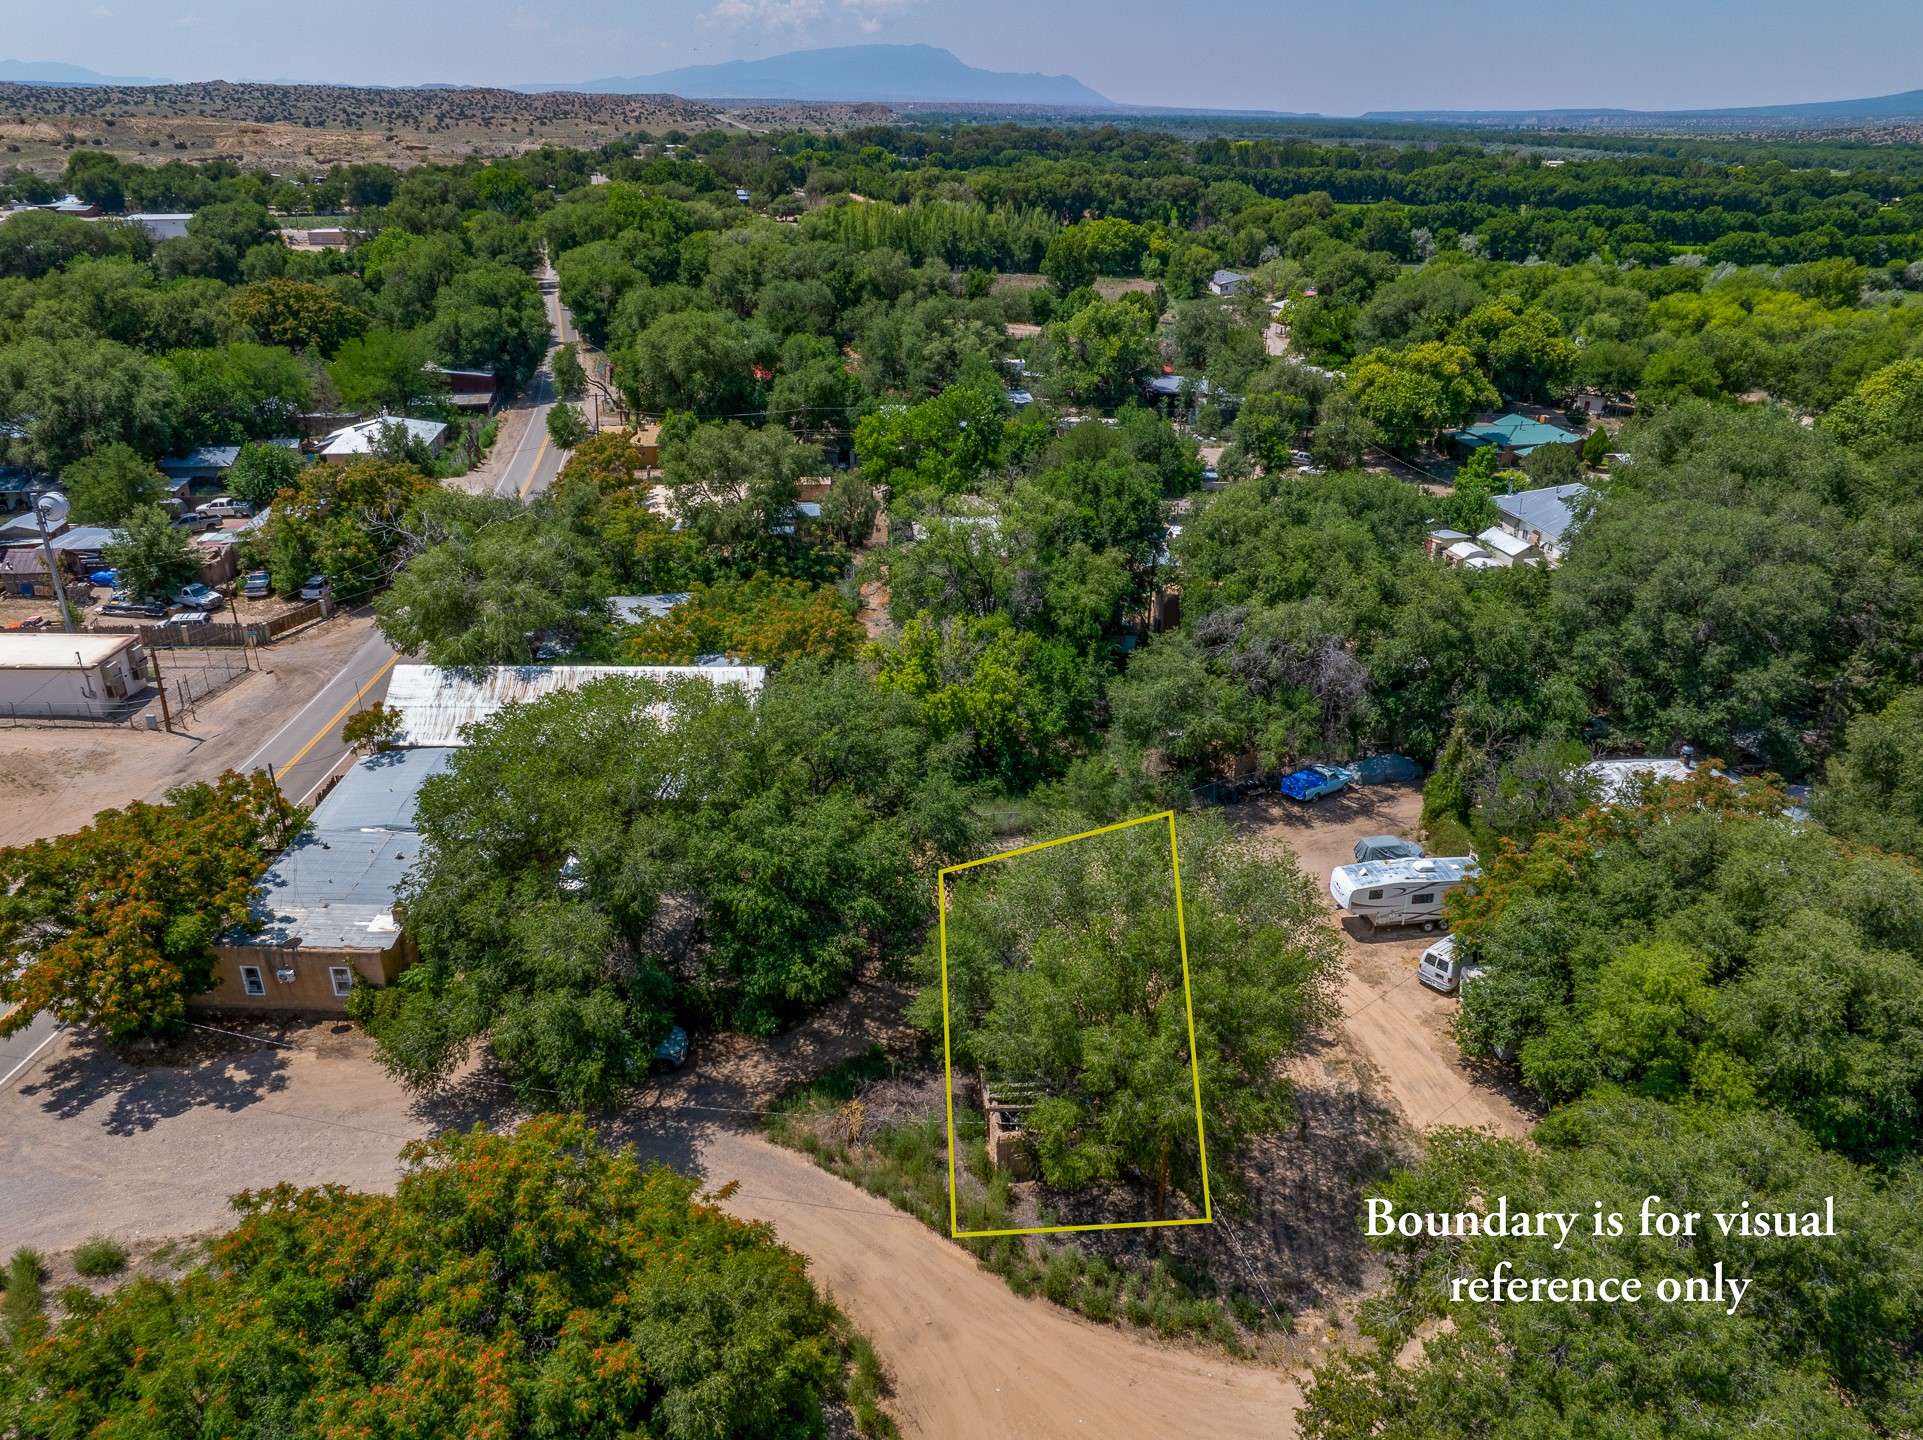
{"points": [[53, 650], [436, 704]]}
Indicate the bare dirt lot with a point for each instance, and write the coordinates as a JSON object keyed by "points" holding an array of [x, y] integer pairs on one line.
{"points": [[54, 780], [1397, 1026]]}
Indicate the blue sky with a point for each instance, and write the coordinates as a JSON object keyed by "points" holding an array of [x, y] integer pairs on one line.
{"points": [[1334, 56]]}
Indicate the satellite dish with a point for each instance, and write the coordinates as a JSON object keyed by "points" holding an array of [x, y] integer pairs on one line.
{"points": [[53, 507]]}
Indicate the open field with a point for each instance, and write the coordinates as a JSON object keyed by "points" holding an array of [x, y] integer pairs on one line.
{"points": [[292, 128]]}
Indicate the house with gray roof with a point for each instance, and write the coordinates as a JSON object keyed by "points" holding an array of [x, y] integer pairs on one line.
{"points": [[324, 920], [1543, 517]]}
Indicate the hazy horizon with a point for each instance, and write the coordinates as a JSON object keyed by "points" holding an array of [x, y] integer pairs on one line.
{"points": [[1231, 54]]}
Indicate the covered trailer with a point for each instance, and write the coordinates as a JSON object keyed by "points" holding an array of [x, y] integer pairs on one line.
{"points": [[1387, 847]]}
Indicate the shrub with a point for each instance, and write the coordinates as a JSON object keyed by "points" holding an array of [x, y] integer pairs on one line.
{"points": [[101, 1255]]}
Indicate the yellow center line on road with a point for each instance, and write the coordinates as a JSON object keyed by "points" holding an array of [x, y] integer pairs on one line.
{"points": [[535, 469], [319, 734]]}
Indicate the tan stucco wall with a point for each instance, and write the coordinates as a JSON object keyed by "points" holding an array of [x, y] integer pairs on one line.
{"points": [[311, 989]]}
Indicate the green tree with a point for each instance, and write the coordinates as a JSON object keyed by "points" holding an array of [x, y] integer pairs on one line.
{"points": [[63, 399], [152, 556], [1064, 972], [566, 428], [570, 380], [260, 472], [114, 925], [239, 392], [1872, 791], [1410, 396], [1018, 701], [692, 360], [1102, 352], [492, 579], [943, 444], [643, 1310], [1522, 349], [111, 484], [297, 314], [736, 488], [574, 845], [385, 370], [1885, 408], [491, 316]]}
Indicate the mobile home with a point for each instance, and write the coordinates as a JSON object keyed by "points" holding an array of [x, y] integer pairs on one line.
{"points": [[1399, 892]]}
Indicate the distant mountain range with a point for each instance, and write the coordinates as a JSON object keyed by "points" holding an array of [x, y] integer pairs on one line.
{"points": [[1816, 115], [849, 72], [52, 72]]}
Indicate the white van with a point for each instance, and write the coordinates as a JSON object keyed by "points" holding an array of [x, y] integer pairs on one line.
{"points": [[1442, 970], [1400, 892]]}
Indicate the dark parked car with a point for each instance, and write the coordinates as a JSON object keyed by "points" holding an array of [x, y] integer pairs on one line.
{"points": [[134, 609], [257, 586]]}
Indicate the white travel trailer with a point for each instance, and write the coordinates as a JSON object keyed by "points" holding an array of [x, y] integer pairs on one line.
{"points": [[1399, 892]]}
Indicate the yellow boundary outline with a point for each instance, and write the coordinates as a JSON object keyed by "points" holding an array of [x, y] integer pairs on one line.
{"points": [[1188, 1001]]}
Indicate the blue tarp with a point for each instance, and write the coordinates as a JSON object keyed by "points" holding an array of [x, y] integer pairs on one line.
{"points": [[1386, 770], [1306, 784]]}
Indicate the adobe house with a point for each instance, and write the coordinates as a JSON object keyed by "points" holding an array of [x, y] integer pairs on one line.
{"points": [[325, 920]]}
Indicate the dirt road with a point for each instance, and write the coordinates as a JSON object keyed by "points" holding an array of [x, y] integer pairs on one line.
{"points": [[969, 1356], [91, 1145], [1397, 1025]]}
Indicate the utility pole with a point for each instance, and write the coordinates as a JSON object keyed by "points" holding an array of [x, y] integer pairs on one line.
{"points": [[160, 683], [52, 505]]}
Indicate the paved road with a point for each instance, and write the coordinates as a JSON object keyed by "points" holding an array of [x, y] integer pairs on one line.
{"points": [[306, 749], [19, 1052], [535, 461]]}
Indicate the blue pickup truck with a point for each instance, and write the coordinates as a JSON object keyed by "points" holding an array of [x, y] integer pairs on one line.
{"points": [[1312, 782]]}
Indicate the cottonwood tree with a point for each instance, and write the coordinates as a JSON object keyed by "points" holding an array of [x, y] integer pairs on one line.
{"points": [[600, 858], [1064, 972]]}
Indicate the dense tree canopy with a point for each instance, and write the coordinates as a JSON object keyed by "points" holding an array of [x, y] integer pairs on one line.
{"points": [[1064, 976], [534, 1282], [598, 859]]}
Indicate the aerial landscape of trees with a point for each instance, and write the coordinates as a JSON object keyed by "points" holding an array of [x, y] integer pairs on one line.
{"points": [[1032, 519]]}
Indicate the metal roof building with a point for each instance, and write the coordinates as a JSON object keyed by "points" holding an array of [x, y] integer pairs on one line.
{"points": [[334, 887], [633, 609], [324, 919], [1541, 516], [1514, 434], [436, 705]]}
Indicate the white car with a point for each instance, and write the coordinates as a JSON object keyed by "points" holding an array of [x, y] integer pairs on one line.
{"points": [[315, 588], [196, 597], [223, 507]]}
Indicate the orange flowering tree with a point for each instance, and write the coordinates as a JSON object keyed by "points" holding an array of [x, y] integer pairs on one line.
{"points": [[113, 925], [763, 621], [536, 1283]]}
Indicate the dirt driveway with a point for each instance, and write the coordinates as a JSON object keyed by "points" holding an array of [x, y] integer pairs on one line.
{"points": [[1396, 1024], [89, 1144]]}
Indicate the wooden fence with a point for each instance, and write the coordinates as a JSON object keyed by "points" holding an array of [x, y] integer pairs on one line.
{"points": [[219, 634]]}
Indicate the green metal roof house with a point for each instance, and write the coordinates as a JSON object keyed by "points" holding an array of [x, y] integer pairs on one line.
{"points": [[1513, 434]]}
